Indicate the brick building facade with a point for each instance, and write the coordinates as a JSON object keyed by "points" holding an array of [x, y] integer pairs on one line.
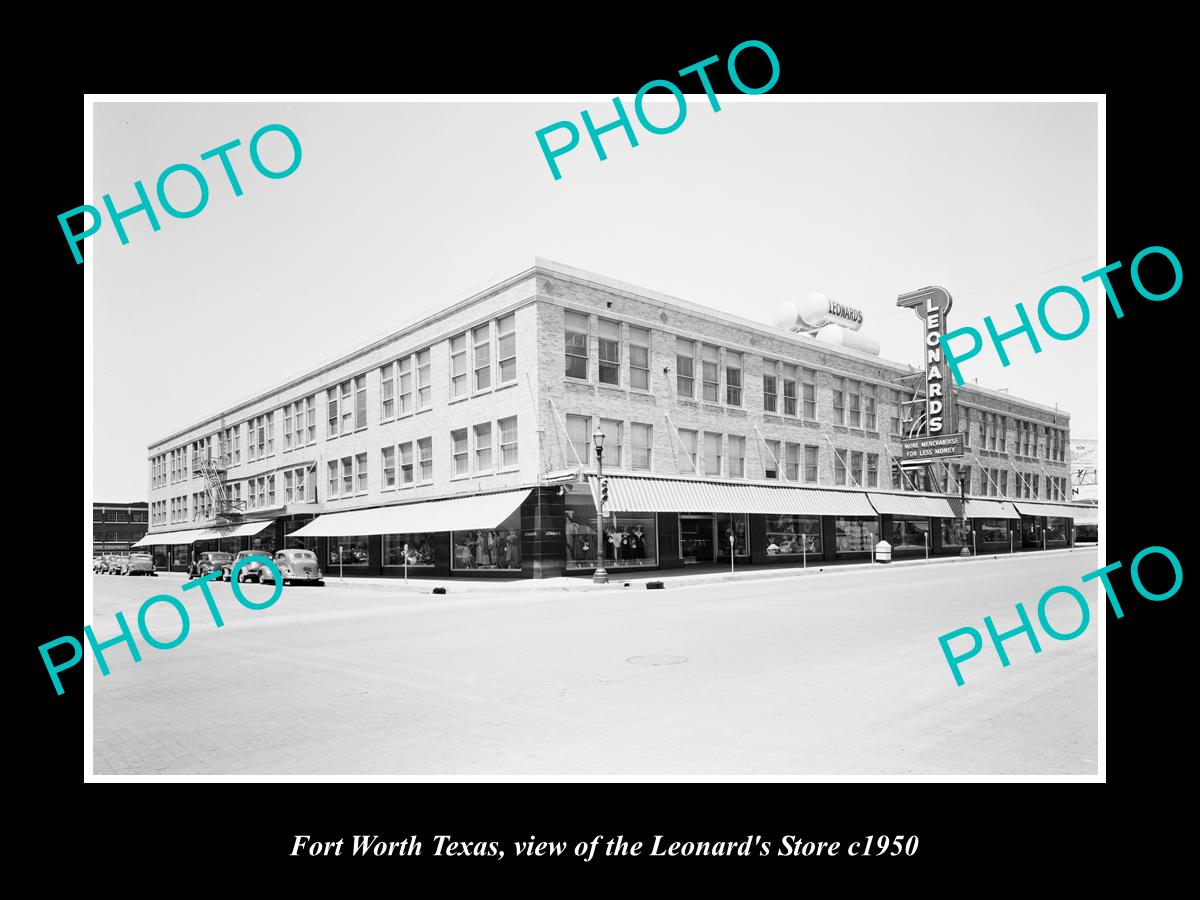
{"points": [[463, 443], [117, 526]]}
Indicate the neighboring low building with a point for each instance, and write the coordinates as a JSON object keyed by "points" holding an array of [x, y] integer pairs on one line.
{"points": [[463, 444], [117, 526]]}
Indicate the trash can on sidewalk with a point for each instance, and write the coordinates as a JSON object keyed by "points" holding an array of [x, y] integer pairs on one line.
{"points": [[883, 552]]}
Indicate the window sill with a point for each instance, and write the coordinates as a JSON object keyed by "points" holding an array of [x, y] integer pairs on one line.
{"points": [[454, 400], [423, 410], [460, 477], [507, 469], [505, 386]]}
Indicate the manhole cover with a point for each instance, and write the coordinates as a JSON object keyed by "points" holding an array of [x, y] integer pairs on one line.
{"points": [[660, 660]]}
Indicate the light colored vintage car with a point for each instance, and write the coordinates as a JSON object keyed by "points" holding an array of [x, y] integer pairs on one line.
{"points": [[249, 571], [138, 564], [295, 566]]}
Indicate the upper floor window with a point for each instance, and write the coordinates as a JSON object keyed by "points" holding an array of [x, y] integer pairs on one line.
{"points": [[508, 442], [711, 372], [737, 456], [639, 358], [387, 392], [610, 351], [733, 378], [579, 433], [404, 386], [685, 371], [424, 382], [483, 357], [770, 395], [425, 460], [712, 453], [612, 429], [839, 404], [809, 389], [458, 366], [789, 390], [771, 460], [643, 444], [868, 401], [576, 339], [506, 347], [687, 438]]}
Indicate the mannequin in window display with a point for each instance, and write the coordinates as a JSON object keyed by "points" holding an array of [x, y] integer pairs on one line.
{"points": [[638, 544], [572, 536], [495, 550], [513, 554], [483, 556], [466, 558]]}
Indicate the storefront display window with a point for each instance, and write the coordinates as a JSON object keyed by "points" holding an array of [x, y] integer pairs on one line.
{"points": [[418, 549], [229, 545], [793, 535], [630, 539], [264, 541], [953, 533], [736, 526], [182, 556], [855, 534], [910, 532], [489, 548], [993, 531], [160, 556], [1056, 528], [349, 550]]}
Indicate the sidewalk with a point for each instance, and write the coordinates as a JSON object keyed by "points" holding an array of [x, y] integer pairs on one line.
{"points": [[625, 580]]}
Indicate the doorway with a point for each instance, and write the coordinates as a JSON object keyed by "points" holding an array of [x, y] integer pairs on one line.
{"points": [[696, 538]]}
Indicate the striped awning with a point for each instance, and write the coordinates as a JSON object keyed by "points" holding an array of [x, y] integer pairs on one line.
{"points": [[474, 511], [1058, 510], [633, 494], [990, 509], [173, 537], [915, 505]]}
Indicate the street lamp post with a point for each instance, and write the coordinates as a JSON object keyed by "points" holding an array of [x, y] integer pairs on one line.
{"points": [[962, 494], [600, 576]]}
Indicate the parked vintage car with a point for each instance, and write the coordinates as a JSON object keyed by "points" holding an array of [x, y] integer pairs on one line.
{"points": [[98, 564], [248, 572], [116, 565], [139, 564], [210, 561], [294, 566]]}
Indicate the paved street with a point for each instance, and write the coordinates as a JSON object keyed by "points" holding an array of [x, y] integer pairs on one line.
{"points": [[832, 673]]}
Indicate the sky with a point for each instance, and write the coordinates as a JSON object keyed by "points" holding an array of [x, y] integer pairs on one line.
{"points": [[398, 208]]}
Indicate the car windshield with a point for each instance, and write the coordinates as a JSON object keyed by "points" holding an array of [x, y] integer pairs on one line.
{"points": [[140, 556], [220, 557], [301, 554]]}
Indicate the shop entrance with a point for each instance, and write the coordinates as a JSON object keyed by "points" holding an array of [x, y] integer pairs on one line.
{"points": [[696, 538], [704, 537]]}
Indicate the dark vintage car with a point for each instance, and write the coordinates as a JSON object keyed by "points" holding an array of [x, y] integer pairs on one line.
{"points": [[250, 570], [139, 564], [294, 566], [211, 561], [116, 565]]}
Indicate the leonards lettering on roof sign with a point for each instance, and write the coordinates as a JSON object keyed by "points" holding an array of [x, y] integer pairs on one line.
{"points": [[622, 120], [221, 153], [954, 358], [932, 304], [1085, 616], [126, 636]]}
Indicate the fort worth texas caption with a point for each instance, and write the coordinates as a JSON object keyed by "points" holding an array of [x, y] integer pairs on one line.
{"points": [[752, 845]]}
